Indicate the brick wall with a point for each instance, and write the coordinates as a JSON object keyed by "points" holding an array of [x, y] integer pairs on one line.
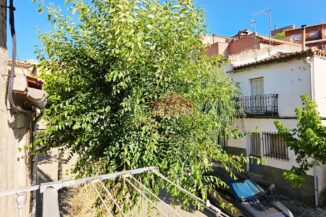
{"points": [[245, 43], [310, 30], [217, 48]]}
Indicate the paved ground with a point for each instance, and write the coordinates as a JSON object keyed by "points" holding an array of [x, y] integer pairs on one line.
{"points": [[299, 209]]}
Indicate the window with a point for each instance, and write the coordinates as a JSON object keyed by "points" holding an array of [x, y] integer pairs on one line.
{"points": [[257, 93], [257, 86], [313, 34], [296, 37], [275, 146], [255, 149], [237, 85]]}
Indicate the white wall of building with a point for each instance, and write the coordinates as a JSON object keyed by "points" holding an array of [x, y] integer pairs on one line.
{"points": [[264, 125], [319, 75], [289, 80]]}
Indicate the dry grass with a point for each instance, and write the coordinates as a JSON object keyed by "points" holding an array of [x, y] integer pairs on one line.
{"points": [[80, 202]]}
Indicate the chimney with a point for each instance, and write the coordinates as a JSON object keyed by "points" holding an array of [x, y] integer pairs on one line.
{"points": [[303, 37]]}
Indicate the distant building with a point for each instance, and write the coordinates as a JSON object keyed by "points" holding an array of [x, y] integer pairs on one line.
{"points": [[314, 36], [244, 40], [282, 29]]}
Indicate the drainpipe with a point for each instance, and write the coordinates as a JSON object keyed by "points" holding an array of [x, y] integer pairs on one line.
{"points": [[312, 78], [34, 162], [312, 96]]}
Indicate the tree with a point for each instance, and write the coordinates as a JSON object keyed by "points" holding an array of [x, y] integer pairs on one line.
{"points": [[129, 86], [280, 35], [308, 140]]}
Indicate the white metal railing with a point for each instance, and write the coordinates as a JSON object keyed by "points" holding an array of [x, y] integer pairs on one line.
{"points": [[50, 192]]}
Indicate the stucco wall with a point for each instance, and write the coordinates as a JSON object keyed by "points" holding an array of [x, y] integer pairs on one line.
{"points": [[272, 168], [289, 80], [319, 69], [264, 125]]}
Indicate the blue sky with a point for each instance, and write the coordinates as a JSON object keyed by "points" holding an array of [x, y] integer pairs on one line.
{"points": [[223, 17]]}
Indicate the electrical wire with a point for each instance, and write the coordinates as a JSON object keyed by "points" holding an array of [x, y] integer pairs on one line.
{"points": [[159, 199]]}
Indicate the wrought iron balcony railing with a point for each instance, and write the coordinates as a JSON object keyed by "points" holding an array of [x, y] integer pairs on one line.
{"points": [[259, 105]]}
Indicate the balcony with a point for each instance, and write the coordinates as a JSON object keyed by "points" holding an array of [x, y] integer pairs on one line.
{"points": [[259, 105]]}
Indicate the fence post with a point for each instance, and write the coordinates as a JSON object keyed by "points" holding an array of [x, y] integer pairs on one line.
{"points": [[20, 200], [50, 203]]}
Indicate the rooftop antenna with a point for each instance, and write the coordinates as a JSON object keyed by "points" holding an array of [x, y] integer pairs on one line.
{"points": [[253, 23], [269, 12]]}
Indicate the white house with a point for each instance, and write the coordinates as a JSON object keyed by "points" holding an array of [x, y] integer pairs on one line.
{"points": [[271, 85]]}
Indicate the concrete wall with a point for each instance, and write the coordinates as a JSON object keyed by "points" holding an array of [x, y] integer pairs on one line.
{"points": [[14, 134], [274, 175], [289, 80]]}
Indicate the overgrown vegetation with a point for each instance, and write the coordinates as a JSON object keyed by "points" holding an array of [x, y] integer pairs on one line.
{"points": [[129, 86], [308, 140]]}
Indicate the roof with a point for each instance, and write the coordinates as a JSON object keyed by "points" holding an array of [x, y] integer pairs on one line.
{"points": [[319, 24], [281, 57], [276, 41], [26, 64], [28, 89]]}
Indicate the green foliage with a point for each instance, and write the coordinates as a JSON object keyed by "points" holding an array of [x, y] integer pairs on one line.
{"points": [[295, 177], [280, 35], [308, 140], [129, 86]]}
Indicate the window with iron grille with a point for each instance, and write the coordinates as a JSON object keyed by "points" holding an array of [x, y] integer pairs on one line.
{"points": [[275, 146], [222, 139], [255, 147]]}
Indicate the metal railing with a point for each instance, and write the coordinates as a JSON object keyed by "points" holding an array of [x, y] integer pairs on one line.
{"points": [[255, 144], [259, 105], [50, 192]]}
